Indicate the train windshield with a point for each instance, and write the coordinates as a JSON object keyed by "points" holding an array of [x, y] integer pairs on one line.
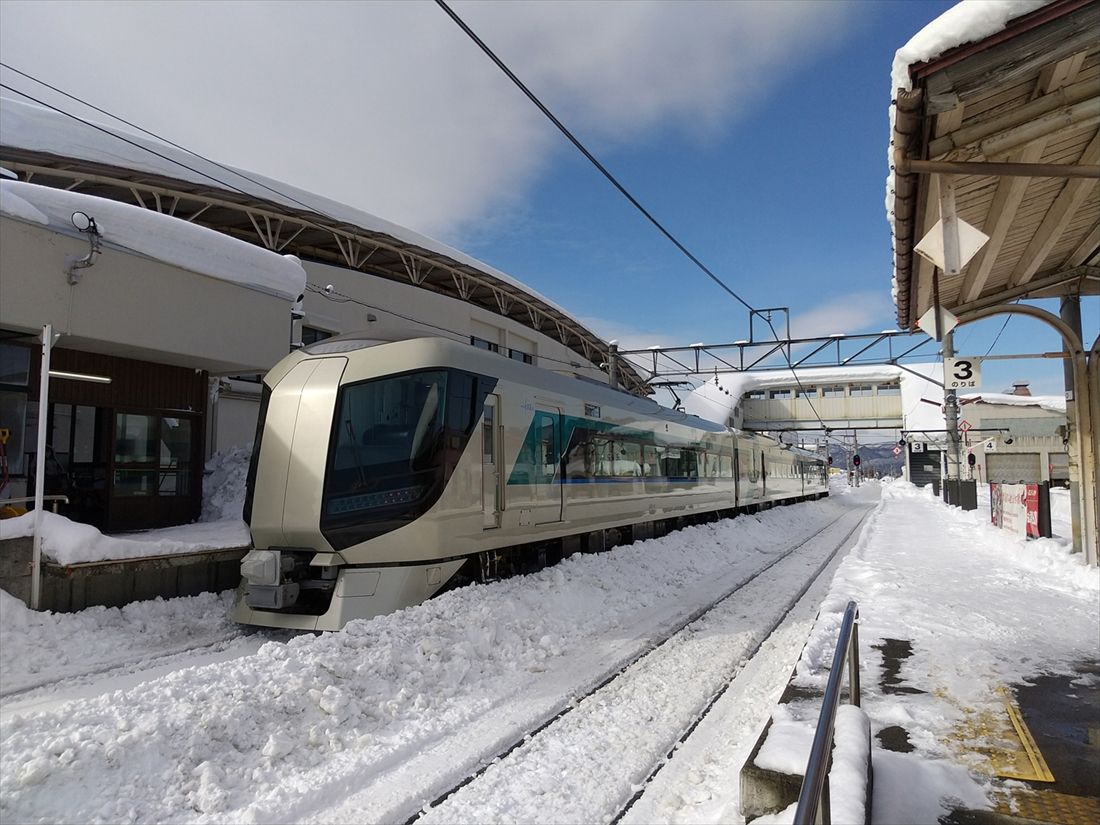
{"points": [[395, 442]]}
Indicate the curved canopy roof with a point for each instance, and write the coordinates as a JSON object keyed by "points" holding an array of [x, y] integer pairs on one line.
{"points": [[53, 149]]}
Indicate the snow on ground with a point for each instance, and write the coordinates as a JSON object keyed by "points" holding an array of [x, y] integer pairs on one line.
{"points": [[220, 526], [276, 735], [39, 648], [982, 609], [288, 732]]}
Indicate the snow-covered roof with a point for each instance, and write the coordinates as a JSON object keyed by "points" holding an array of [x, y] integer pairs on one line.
{"points": [[158, 236], [1052, 403], [967, 22], [25, 126]]}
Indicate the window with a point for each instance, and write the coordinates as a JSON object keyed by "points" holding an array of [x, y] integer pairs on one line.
{"points": [[311, 335], [860, 390], [780, 394], [832, 392], [152, 455], [14, 376], [806, 392], [481, 343], [889, 389], [520, 355], [755, 395]]}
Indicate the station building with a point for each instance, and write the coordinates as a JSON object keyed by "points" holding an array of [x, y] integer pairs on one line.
{"points": [[205, 276]]}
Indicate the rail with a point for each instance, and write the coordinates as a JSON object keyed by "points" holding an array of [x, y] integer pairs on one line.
{"points": [[30, 500], [813, 799]]}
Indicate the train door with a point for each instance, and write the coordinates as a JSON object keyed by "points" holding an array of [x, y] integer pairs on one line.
{"points": [[548, 485], [490, 468]]}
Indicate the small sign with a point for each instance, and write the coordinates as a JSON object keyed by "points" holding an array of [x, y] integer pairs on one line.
{"points": [[927, 322], [964, 426], [931, 246], [897, 450], [991, 445], [962, 374], [916, 447]]}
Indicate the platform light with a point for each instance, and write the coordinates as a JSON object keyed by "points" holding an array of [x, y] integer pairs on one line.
{"points": [[79, 376]]}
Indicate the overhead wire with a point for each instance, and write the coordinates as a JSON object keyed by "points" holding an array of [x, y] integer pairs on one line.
{"points": [[584, 151]]}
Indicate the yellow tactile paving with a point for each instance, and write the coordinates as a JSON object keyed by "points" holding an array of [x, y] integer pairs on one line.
{"points": [[1002, 737], [1050, 806]]}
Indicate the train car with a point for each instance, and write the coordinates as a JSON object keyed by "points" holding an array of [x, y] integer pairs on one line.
{"points": [[382, 469]]}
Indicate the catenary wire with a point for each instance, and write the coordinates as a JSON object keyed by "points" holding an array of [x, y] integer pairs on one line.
{"points": [[584, 151]]}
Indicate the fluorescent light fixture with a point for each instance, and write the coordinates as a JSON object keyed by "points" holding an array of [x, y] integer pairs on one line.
{"points": [[77, 376]]}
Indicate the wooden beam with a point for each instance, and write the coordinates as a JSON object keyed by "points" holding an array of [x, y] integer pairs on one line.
{"points": [[1073, 194], [1085, 249], [1010, 194]]}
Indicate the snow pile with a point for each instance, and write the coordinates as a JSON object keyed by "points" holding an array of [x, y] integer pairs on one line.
{"points": [[40, 647], [160, 237], [223, 487], [68, 542], [276, 735]]}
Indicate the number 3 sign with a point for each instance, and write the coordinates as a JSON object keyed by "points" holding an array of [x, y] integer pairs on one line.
{"points": [[962, 373]]}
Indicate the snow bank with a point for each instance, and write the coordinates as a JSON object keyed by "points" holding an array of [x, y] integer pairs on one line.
{"points": [[223, 486], [68, 542], [160, 237], [38, 647]]}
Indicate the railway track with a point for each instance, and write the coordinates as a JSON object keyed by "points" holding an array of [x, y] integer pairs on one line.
{"points": [[525, 760], [518, 746]]}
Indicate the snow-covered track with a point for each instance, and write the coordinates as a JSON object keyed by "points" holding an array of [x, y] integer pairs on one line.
{"points": [[651, 669]]}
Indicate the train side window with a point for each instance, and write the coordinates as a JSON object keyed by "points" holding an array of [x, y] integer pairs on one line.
{"points": [[628, 462]]}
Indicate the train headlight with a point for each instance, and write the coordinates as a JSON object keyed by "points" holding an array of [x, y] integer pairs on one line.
{"points": [[262, 567]]}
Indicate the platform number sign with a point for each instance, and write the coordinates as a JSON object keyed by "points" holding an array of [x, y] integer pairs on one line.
{"points": [[962, 373]]}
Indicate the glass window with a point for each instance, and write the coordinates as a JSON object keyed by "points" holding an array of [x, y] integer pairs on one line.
{"points": [[860, 390], [755, 395], [84, 431], [519, 355], [487, 454], [481, 343], [889, 389], [13, 418], [806, 392], [135, 438], [832, 392], [780, 394], [15, 365], [311, 335], [628, 461]]}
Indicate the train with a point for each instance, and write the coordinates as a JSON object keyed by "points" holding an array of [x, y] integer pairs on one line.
{"points": [[385, 470]]}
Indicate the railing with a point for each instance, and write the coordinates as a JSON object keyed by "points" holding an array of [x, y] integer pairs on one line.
{"points": [[813, 800], [30, 500]]}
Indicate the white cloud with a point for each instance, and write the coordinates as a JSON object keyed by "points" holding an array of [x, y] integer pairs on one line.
{"points": [[387, 106]]}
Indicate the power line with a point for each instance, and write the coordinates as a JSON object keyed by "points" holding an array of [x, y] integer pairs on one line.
{"points": [[584, 151]]}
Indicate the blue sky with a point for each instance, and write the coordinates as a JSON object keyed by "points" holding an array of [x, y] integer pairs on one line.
{"points": [[757, 132]]}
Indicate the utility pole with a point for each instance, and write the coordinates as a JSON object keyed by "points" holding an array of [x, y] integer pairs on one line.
{"points": [[951, 417]]}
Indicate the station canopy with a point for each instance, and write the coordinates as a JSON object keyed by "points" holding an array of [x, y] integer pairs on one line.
{"points": [[49, 148], [1002, 99]]}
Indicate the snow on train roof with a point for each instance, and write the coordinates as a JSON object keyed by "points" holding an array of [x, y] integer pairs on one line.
{"points": [[158, 236], [969, 21], [26, 126]]}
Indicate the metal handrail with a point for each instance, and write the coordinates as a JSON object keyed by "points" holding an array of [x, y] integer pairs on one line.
{"points": [[813, 799], [30, 499]]}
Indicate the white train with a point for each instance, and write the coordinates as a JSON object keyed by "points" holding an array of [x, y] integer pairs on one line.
{"points": [[383, 470]]}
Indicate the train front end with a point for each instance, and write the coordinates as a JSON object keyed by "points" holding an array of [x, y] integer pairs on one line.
{"points": [[347, 496]]}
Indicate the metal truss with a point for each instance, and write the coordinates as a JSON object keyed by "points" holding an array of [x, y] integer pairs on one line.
{"points": [[666, 363]]}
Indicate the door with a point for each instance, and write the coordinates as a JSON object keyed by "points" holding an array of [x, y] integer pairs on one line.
{"points": [[546, 476], [490, 469]]}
